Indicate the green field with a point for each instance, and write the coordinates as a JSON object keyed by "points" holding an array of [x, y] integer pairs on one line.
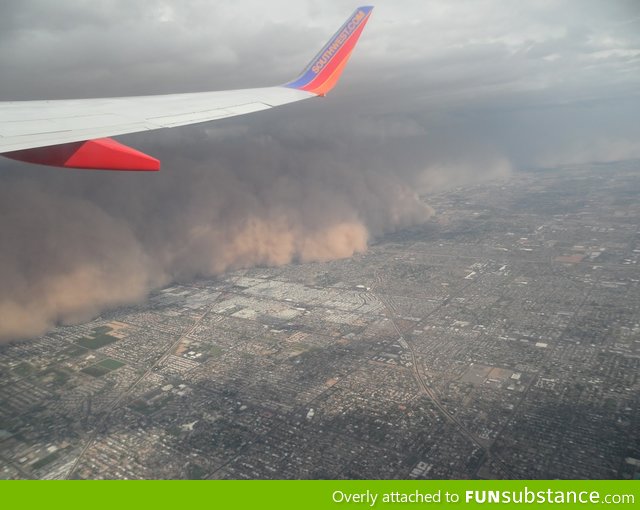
{"points": [[111, 364], [99, 340], [96, 370], [103, 367], [74, 350], [101, 330], [45, 460]]}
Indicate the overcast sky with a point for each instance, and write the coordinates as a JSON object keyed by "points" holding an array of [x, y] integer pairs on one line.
{"points": [[505, 70], [436, 92]]}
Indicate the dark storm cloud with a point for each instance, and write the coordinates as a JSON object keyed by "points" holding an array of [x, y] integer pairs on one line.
{"points": [[437, 93]]}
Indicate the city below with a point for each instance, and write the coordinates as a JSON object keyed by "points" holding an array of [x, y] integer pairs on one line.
{"points": [[501, 339]]}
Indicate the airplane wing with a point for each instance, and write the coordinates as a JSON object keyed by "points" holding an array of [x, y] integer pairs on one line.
{"points": [[74, 133]]}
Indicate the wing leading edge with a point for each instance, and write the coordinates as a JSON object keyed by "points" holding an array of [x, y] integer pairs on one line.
{"points": [[75, 133]]}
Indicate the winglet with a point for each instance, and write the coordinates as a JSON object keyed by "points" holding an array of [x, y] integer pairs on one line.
{"points": [[323, 72]]}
